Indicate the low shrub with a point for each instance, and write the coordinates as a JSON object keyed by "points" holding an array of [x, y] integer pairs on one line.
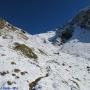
{"points": [[9, 82], [16, 70], [25, 50], [2, 23]]}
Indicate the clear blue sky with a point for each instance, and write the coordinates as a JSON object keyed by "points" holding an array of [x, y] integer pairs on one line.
{"points": [[37, 16]]}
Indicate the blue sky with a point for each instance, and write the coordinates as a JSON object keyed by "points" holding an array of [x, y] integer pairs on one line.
{"points": [[38, 16]]}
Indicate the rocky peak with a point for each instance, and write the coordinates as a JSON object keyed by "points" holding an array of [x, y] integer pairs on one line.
{"points": [[82, 20]]}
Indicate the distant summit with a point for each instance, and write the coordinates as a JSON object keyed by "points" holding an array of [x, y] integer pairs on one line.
{"points": [[82, 20]]}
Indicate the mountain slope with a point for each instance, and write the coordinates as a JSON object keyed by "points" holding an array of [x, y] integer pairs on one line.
{"points": [[79, 44], [75, 34], [47, 61]]}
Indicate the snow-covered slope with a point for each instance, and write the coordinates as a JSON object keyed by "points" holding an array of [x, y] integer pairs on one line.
{"points": [[79, 44], [37, 62]]}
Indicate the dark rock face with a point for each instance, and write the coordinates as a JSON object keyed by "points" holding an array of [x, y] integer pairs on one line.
{"points": [[64, 33], [67, 32]]}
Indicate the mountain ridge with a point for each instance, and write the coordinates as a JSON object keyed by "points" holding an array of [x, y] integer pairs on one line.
{"points": [[56, 60]]}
